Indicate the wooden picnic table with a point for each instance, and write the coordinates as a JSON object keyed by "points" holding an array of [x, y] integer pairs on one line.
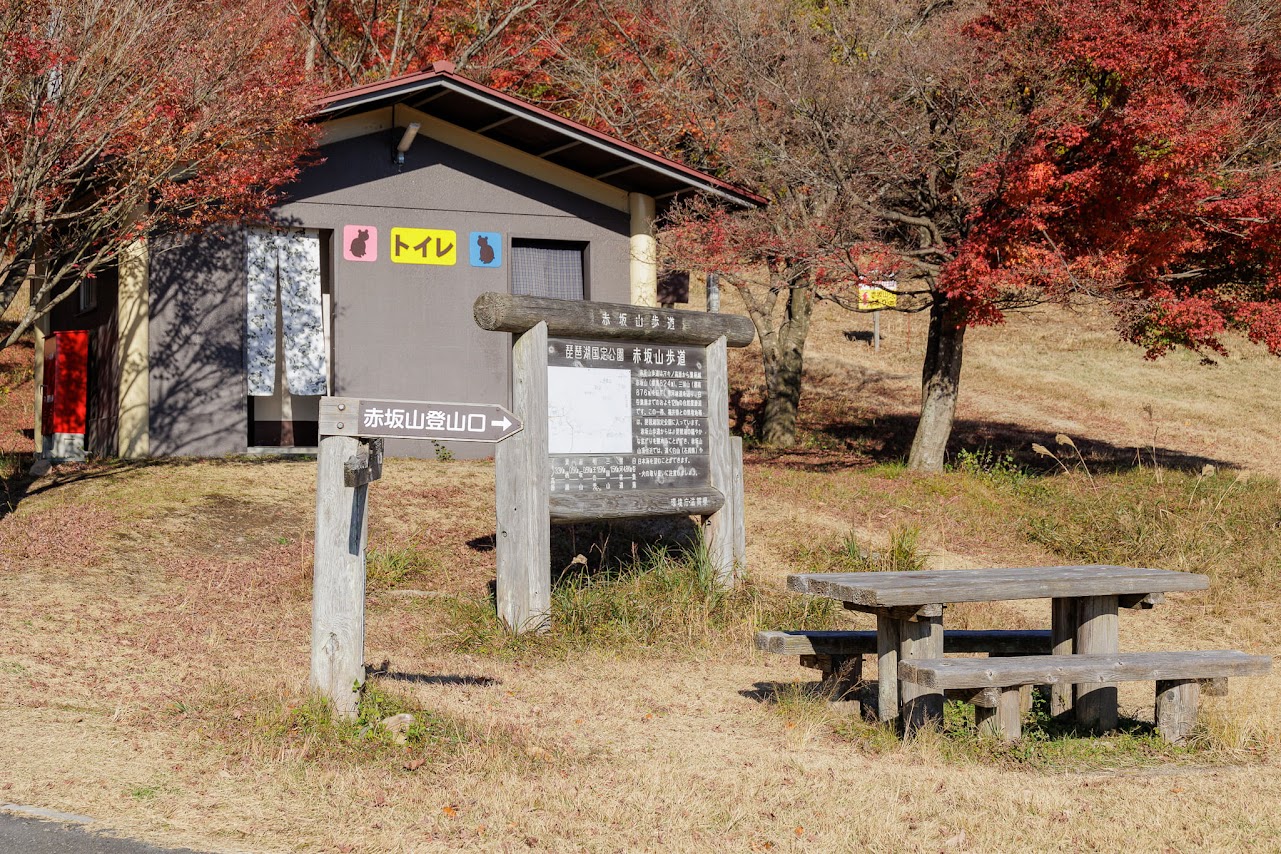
{"points": [[909, 621]]}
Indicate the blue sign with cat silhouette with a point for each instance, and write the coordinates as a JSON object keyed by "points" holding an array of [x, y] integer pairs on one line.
{"points": [[486, 249]]}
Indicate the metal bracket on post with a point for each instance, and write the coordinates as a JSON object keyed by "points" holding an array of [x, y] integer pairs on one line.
{"points": [[366, 465]]}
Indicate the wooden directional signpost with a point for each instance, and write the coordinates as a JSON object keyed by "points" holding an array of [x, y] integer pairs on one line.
{"points": [[626, 415], [351, 455]]}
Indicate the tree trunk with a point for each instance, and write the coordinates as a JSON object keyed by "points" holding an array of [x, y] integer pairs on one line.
{"points": [[940, 383], [784, 368]]}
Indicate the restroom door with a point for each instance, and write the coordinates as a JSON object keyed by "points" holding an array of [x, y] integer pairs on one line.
{"points": [[290, 336]]}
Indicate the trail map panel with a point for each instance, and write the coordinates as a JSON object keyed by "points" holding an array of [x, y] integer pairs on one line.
{"points": [[625, 416]]}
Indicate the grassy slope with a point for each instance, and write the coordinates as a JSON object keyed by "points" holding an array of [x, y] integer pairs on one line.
{"points": [[155, 628]]}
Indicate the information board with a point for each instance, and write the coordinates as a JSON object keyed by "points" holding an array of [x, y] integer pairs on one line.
{"points": [[626, 416]]}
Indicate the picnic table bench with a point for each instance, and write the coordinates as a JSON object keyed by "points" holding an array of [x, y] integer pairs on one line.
{"points": [[838, 655], [909, 609], [996, 685]]}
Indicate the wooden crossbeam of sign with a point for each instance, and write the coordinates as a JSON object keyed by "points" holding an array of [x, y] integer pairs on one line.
{"points": [[417, 419], [605, 321]]}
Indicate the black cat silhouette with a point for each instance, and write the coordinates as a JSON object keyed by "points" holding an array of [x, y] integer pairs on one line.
{"points": [[486, 251], [358, 243]]}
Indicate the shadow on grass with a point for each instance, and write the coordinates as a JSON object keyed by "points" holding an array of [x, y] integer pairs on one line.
{"points": [[23, 485], [769, 692], [437, 679], [838, 445]]}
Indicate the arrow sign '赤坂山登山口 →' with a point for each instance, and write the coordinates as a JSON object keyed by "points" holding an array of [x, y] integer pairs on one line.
{"points": [[416, 419]]}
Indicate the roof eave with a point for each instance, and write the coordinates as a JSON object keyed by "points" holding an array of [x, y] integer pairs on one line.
{"points": [[696, 180]]}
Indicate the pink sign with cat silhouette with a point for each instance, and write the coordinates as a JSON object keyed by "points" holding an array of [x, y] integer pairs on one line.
{"points": [[360, 243]]}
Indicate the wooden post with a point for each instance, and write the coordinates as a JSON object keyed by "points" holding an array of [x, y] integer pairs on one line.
{"points": [[338, 584], [1005, 719], [1176, 707], [1096, 634], [887, 645], [523, 475], [920, 638], [720, 528], [1063, 639], [713, 293], [841, 681], [735, 498]]}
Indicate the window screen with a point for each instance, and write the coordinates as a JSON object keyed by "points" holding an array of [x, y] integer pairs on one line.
{"points": [[547, 268]]}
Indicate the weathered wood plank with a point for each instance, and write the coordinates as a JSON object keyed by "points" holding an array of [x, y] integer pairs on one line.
{"points": [[1141, 603], [1176, 708], [338, 579], [999, 642], [570, 507], [920, 639], [906, 612], [1096, 634], [522, 473], [886, 589], [573, 319], [720, 527], [1063, 638], [339, 416], [985, 698], [1079, 669]]}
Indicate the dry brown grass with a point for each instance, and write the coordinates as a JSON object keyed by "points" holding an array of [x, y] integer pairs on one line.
{"points": [[154, 627]]}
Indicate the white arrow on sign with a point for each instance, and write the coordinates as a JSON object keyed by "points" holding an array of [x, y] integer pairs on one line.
{"points": [[502, 425]]}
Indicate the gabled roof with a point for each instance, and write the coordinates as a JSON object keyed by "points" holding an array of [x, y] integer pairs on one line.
{"points": [[442, 93]]}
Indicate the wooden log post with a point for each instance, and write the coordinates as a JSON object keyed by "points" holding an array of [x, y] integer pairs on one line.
{"points": [[1096, 634], [841, 683], [338, 586], [1063, 641], [721, 527], [740, 512], [1000, 718], [1176, 708], [920, 638], [523, 471], [887, 645]]}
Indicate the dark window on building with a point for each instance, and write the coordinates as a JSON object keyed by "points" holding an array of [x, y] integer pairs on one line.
{"points": [[549, 268], [88, 295]]}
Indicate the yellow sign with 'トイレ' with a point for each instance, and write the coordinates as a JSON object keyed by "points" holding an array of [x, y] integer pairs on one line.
{"points": [[424, 246]]}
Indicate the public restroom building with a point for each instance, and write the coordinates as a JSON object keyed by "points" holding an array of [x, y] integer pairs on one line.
{"points": [[433, 189]]}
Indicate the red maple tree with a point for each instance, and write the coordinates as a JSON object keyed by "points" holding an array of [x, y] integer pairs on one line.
{"points": [[123, 119], [991, 155]]}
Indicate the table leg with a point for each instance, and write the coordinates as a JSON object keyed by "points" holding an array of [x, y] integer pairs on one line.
{"points": [[1062, 638], [1096, 634], [887, 642], [920, 638]]}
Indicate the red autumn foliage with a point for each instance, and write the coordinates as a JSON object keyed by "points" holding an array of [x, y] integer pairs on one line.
{"points": [[1147, 172], [992, 155], [126, 118]]}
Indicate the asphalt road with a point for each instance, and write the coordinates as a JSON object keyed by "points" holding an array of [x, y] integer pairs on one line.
{"points": [[25, 834]]}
